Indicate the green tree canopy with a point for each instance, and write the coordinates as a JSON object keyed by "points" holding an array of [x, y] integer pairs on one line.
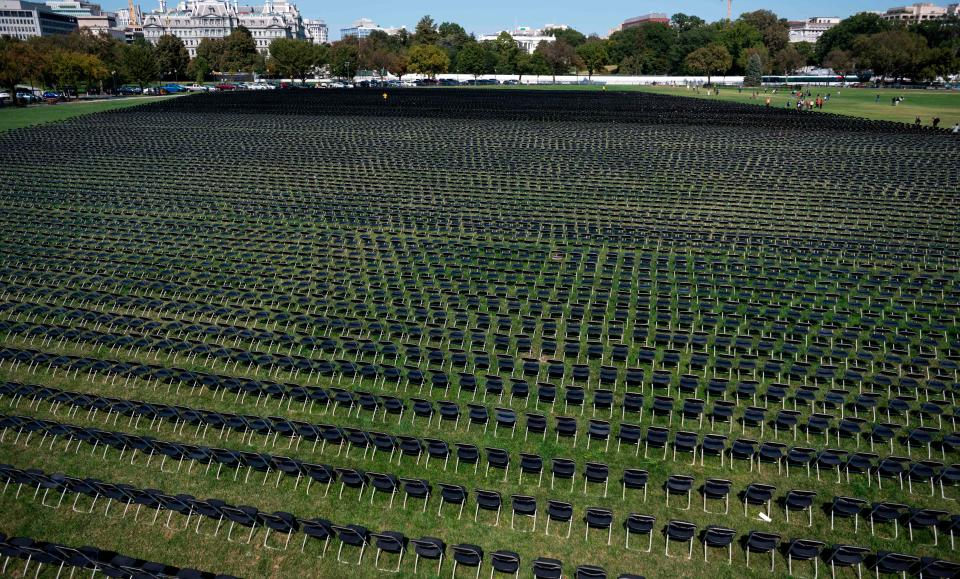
{"points": [[172, 56], [593, 55], [140, 62], [199, 69], [709, 60], [569, 35], [428, 59], [506, 53], [344, 58], [684, 22], [211, 50], [788, 60], [774, 31], [426, 32], [17, 59], [239, 51], [843, 34], [840, 61], [558, 56], [893, 53], [754, 74], [738, 36], [476, 58], [294, 58]]}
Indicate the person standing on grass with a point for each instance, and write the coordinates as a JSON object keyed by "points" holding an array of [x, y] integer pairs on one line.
{"points": [[878, 98], [916, 123], [936, 122], [956, 129]]}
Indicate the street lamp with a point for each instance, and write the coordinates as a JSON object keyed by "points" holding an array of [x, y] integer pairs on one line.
{"points": [[113, 76]]}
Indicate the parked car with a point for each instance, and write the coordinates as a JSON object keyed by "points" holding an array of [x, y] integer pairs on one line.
{"points": [[449, 82], [196, 87], [129, 90], [52, 95], [173, 88], [511, 82], [226, 86], [27, 97]]}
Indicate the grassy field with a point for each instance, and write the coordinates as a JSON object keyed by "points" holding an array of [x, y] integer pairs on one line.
{"points": [[500, 254], [15, 118], [848, 101]]}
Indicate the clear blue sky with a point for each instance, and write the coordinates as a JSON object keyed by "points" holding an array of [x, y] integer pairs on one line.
{"points": [[492, 15]]}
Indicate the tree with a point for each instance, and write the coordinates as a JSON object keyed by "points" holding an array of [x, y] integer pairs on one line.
{"points": [[399, 64], [16, 61], [426, 32], [683, 22], [428, 59], [293, 58], [475, 59], [840, 61], [239, 51], [172, 55], [140, 63], [788, 60], [105, 47], [199, 69], [754, 75], [593, 55], [807, 51], [843, 34], [452, 38], [558, 56], [572, 37], [766, 63], [344, 58], [774, 31], [505, 52], [709, 60], [738, 36], [893, 53], [211, 51], [686, 42]]}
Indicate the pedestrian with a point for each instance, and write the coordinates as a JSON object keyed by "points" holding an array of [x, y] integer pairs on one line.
{"points": [[877, 99], [916, 123], [768, 102], [956, 129], [936, 122]]}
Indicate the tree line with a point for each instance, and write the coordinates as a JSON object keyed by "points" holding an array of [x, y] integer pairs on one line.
{"points": [[754, 44]]}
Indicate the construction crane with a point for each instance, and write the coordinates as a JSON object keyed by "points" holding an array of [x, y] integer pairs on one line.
{"points": [[134, 23]]}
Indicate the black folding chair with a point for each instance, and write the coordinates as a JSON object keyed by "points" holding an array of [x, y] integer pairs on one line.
{"points": [[761, 542]]}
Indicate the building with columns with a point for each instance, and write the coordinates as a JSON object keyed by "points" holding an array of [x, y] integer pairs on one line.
{"points": [[193, 20]]}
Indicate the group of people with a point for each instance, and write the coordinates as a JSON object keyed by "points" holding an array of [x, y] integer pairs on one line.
{"points": [[935, 123]]}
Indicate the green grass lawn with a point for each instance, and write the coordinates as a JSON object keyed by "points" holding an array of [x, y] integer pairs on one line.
{"points": [[17, 117], [857, 102]]}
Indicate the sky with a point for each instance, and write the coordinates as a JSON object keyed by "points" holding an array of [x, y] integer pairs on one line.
{"points": [[490, 16]]}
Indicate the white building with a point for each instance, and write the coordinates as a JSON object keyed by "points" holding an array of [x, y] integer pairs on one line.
{"points": [[316, 30], [124, 20], [363, 27], [527, 38], [193, 20], [89, 16], [811, 29], [920, 12], [22, 20]]}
